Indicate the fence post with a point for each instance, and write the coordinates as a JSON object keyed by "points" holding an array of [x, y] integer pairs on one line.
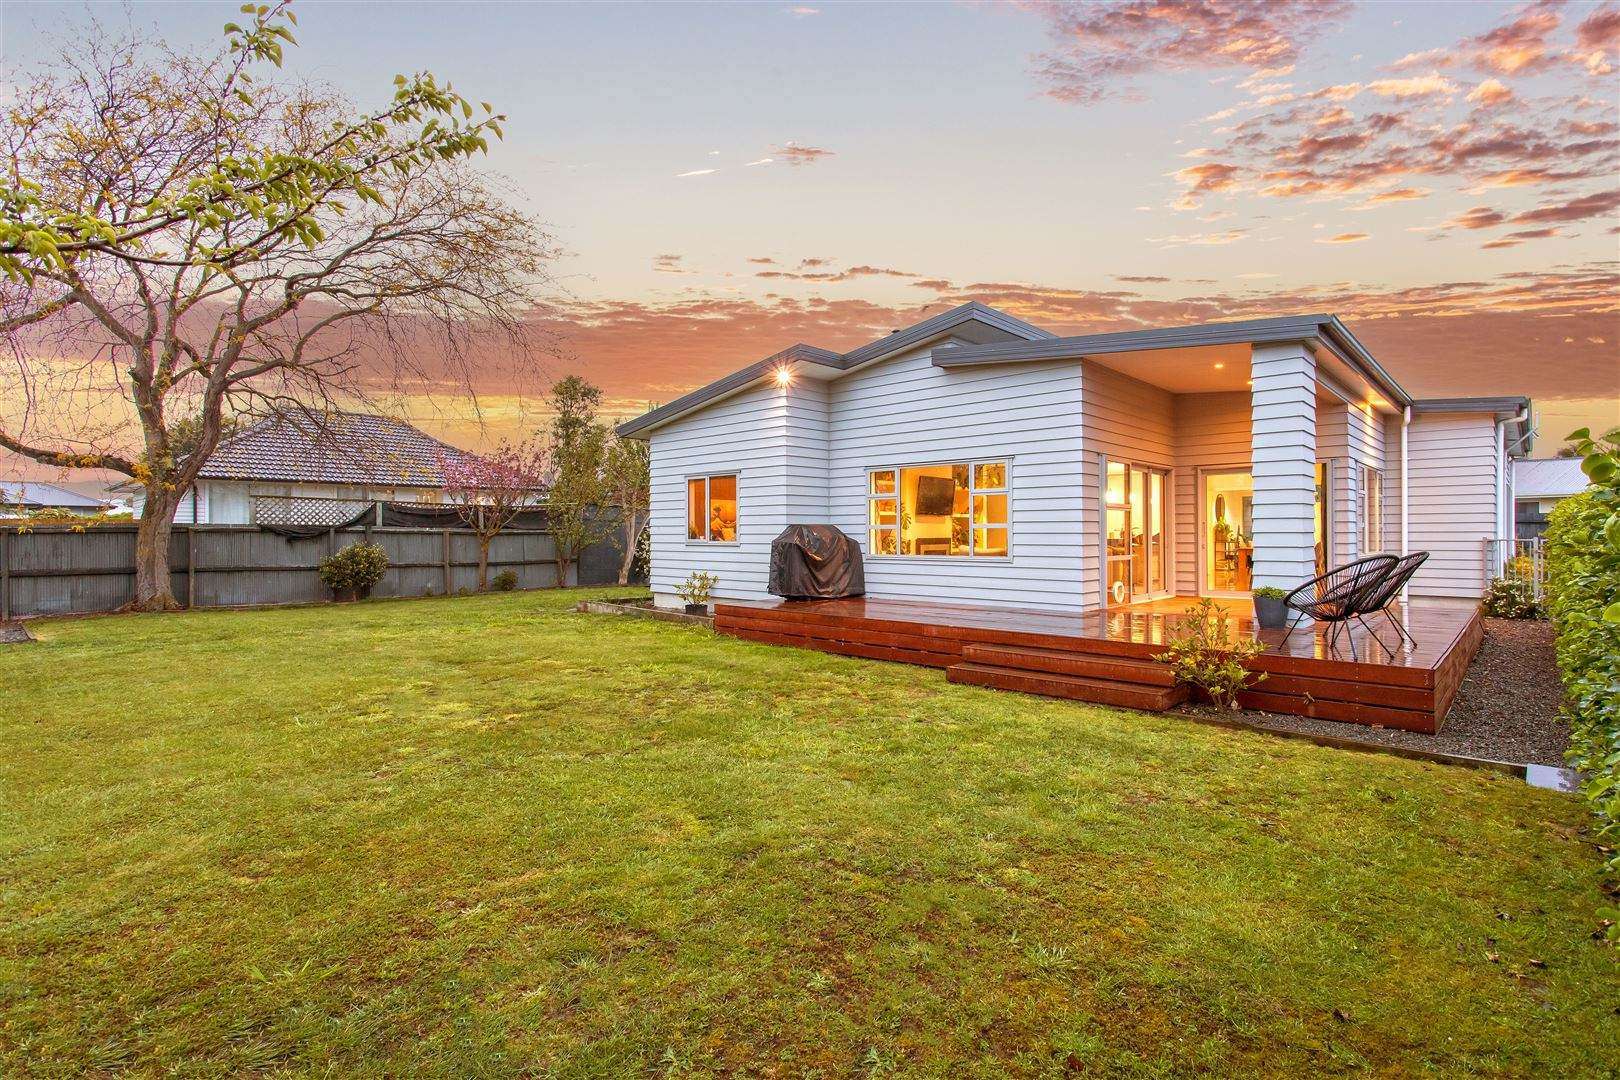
{"points": [[191, 566], [5, 575], [445, 559]]}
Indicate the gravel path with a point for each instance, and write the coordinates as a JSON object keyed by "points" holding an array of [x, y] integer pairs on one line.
{"points": [[1506, 709]]}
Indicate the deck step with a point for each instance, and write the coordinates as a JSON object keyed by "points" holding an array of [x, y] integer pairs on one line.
{"points": [[1087, 665], [1127, 695]]}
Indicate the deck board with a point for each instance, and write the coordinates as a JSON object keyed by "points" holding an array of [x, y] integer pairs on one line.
{"points": [[1355, 679]]}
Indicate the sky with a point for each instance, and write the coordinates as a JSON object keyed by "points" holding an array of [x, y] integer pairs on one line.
{"points": [[725, 180]]}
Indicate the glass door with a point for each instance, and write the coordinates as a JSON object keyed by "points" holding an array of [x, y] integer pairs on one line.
{"points": [[1134, 557], [1227, 533]]}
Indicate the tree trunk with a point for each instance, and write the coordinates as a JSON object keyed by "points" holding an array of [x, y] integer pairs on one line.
{"points": [[154, 590], [483, 562], [563, 563], [631, 534]]}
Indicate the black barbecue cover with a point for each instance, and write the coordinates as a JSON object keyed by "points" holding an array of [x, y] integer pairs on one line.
{"points": [[815, 561]]}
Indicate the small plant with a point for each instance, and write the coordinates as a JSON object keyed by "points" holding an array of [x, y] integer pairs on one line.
{"points": [[353, 572], [505, 581], [1204, 653], [1511, 598], [1270, 592], [697, 588]]}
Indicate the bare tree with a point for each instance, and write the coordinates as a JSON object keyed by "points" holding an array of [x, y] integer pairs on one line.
{"points": [[628, 481], [489, 490], [181, 241]]}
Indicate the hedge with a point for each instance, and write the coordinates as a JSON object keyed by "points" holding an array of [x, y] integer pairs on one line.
{"points": [[1583, 591]]}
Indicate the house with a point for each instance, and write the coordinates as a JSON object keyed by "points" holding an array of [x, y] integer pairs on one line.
{"points": [[979, 459], [1538, 486], [309, 468], [31, 495]]}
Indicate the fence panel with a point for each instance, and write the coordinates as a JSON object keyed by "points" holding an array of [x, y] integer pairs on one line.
{"points": [[1523, 558], [53, 570]]}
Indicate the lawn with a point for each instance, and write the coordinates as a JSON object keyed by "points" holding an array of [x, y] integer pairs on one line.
{"points": [[488, 836]]}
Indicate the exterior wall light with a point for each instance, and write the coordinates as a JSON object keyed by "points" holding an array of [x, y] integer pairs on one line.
{"points": [[784, 376]]}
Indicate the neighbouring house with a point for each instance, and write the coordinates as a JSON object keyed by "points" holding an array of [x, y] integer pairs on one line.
{"points": [[313, 469], [979, 459], [31, 495], [1538, 486]]}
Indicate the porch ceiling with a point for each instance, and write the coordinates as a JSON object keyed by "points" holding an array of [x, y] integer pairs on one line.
{"points": [[1206, 369]]}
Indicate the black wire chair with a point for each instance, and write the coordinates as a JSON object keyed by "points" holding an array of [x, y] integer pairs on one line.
{"points": [[1339, 595], [1383, 598]]}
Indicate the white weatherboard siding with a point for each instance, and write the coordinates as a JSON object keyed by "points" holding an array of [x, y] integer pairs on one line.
{"points": [[1283, 438], [1124, 419], [1452, 485], [773, 439], [906, 411], [1211, 432]]}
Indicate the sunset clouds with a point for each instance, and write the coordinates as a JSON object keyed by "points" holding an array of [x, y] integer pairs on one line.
{"points": [[1102, 49]]}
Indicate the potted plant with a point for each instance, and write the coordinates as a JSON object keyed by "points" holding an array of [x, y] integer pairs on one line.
{"points": [[352, 573], [1269, 609], [696, 590]]}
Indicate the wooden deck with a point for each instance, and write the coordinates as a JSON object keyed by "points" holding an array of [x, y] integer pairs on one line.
{"points": [[1108, 657]]}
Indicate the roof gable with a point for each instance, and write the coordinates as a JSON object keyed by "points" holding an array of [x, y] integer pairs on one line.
{"points": [[992, 325]]}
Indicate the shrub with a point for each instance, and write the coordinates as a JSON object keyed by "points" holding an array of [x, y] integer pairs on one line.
{"points": [[505, 581], [1583, 599], [1512, 598], [1204, 653], [356, 569], [1270, 592], [698, 587]]}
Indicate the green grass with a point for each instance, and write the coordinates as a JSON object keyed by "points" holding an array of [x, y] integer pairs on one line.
{"points": [[487, 836]]}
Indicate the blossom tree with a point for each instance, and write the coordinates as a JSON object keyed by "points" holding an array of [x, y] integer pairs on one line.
{"points": [[628, 479], [183, 238], [490, 490]]}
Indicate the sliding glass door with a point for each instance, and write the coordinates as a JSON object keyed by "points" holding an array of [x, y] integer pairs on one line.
{"points": [[1134, 557], [1227, 529]]}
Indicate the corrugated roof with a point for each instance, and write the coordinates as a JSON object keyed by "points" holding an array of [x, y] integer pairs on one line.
{"points": [[32, 493], [335, 448], [1549, 478]]}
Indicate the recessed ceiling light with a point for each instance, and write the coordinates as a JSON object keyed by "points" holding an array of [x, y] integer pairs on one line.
{"points": [[1219, 365], [784, 376]]}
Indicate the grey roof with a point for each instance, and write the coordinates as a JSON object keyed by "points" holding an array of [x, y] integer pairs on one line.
{"points": [[1326, 329], [1549, 478], [30, 493], [332, 448], [916, 334]]}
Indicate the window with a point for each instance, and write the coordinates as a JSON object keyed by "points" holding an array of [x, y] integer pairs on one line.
{"points": [[1372, 523], [957, 509], [711, 508]]}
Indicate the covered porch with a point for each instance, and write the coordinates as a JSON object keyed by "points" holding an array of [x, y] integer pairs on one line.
{"points": [[1220, 459], [1108, 656]]}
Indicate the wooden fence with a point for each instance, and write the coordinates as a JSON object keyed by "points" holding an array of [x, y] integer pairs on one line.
{"points": [[53, 570]]}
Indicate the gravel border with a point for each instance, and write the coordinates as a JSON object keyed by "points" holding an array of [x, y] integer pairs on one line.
{"points": [[14, 634], [1507, 709]]}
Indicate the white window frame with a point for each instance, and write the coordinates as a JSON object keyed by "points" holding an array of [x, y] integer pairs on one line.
{"points": [[1004, 460], [686, 494]]}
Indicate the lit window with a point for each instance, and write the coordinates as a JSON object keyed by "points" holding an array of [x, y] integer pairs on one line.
{"points": [[955, 509], [711, 508], [1372, 537]]}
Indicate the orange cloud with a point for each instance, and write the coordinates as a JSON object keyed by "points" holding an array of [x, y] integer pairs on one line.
{"points": [[1099, 46]]}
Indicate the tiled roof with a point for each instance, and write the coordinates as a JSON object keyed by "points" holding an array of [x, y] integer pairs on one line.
{"points": [[31, 493], [335, 448]]}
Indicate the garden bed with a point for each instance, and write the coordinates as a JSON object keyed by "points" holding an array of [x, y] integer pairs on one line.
{"points": [[642, 607], [1507, 710]]}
